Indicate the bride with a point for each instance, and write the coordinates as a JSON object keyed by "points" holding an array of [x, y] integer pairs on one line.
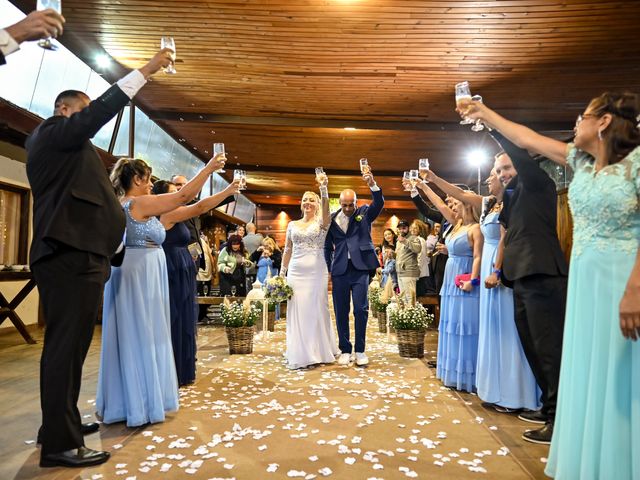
{"points": [[310, 336]]}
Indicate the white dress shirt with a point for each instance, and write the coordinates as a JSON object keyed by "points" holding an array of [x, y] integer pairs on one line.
{"points": [[7, 43]]}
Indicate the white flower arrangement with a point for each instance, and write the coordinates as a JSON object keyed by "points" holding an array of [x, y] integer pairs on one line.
{"points": [[236, 314], [411, 317]]}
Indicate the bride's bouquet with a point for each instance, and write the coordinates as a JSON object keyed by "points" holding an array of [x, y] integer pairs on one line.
{"points": [[276, 290]]}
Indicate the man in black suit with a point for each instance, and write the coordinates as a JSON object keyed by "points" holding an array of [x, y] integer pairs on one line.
{"points": [[77, 225], [534, 263], [38, 24]]}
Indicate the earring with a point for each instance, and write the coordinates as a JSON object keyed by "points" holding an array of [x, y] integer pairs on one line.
{"points": [[600, 135]]}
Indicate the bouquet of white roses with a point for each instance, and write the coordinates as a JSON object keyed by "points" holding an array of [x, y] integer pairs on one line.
{"points": [[236, 314], [276, 290], [411, 317]]}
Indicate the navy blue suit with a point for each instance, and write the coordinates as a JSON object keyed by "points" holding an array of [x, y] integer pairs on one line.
{"points": [[350, 257]]}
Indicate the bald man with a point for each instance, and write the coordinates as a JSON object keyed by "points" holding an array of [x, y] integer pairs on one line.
{"points": [[350, 256]]}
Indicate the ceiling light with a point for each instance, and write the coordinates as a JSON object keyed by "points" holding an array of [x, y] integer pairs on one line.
{"points": [[103, 60], [476, 157], [349, 128]]}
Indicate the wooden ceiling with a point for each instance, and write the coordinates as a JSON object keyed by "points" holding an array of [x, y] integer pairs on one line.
{"points": [[278, 80]]}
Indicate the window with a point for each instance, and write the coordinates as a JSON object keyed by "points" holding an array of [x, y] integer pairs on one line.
{"points": [[14, 224]]}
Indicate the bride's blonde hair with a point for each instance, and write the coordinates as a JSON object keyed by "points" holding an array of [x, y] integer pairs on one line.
{"points": [[317, 199]]}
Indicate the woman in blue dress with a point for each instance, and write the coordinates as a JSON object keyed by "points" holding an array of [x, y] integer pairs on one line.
{"points": [[137, 380], [181, 270], [597, 428], [459, 305], [504, 377]]}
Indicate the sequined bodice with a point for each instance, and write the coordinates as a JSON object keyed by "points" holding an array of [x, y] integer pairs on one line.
{"points": [[307, 240], [605, 205], [149, 234]]}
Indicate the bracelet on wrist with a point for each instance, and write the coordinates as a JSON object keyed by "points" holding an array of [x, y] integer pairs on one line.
{"points": [[475, 282], [497, 271]]}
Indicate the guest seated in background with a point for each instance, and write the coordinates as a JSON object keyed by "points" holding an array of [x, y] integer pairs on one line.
{"points": [[232, 261], [181, 270], [137, 381], [596, 430]]}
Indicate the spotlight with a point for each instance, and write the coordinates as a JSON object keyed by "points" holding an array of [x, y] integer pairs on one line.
{"points": [[103, 61], [476, 157]]}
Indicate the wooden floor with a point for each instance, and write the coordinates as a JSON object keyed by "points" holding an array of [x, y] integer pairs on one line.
{"points": [[275, 423]]}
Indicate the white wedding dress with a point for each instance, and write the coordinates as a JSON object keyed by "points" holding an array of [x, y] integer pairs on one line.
{"points": [[310, 334]]}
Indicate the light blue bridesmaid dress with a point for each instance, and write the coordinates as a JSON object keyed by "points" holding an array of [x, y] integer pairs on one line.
{"points": [[137, 382], [503, 376], [459, 311], [597, 428]]}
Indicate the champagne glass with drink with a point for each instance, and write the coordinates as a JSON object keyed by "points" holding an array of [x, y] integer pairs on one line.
{"points": [[406, 181], [463, 99], [44, 5], [169, 42], [478, 126], [218, 148], [414, 178], [364, 166], [423, 167], [321, 177]]}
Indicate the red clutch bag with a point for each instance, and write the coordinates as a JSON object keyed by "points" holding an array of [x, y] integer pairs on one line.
{"points": [[463, 277]]}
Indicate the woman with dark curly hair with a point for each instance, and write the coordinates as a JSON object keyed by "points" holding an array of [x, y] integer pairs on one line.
{"points": [[231, 264]]}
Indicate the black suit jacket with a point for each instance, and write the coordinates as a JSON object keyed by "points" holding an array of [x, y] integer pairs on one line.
{"points": [[2, 60], [529, 214], [74, 203]]}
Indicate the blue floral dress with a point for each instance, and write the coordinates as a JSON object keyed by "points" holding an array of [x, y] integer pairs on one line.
{"points": [[597, 429]]}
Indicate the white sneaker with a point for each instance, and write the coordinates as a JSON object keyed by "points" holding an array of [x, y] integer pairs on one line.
{"points": [[344, 359], [361, 359]]}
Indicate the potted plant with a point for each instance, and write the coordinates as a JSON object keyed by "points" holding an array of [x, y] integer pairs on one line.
{"points": [[276, 290], [410, 322], [238, 320]]}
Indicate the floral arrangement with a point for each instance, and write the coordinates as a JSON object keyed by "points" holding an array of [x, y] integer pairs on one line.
{"points": [[236, 314], [377, 299], [276, 290], [411, 317]]}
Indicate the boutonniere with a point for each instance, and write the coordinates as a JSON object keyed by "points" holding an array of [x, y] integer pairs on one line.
{"points": [[358, 218]]}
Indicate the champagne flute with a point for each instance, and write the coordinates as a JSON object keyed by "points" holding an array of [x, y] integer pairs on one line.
{"points": [[406, 180], [321, 177], [423, 167], [169, 42], [477, 126], [463, 98], [217, 149], [364, 166], [243, 180], [414, 177], [43, 5], [237, 176], [233, 290]]}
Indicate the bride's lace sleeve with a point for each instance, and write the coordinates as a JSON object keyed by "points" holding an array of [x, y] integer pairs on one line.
{"points": [[286, 253]]}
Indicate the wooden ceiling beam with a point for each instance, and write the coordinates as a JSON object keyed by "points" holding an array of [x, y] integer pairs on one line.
{"points": [[190, 117]]}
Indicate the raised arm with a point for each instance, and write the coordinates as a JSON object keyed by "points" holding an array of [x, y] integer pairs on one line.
{"points": [[522, 136], [324, 203], [146, 206], [438, 203], [465, 196], [185, 212], [378, 200]]}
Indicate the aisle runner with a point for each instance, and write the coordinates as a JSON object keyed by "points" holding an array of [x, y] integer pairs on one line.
{"points": [[248, 417]]}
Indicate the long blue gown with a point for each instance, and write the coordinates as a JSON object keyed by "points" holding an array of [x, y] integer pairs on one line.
{"points": [[459, 312], [503, 376], [182, 300], [597, 428], [137, 382]]}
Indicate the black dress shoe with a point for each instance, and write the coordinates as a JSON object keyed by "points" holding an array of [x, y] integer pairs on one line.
{"points": [[88, 428], [541, 435], [534, 416], [85, 429], [77, 458]]}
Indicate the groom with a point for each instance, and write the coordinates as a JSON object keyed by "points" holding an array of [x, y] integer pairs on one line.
{"points": [[350, 256]]}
